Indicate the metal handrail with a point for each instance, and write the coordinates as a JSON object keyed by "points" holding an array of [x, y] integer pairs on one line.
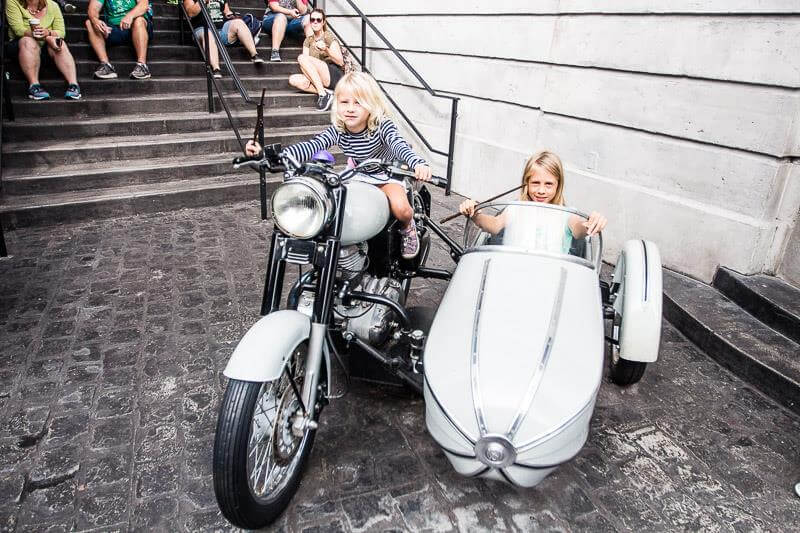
{"points": [[237, 81], [365, 22], [5, 106]]}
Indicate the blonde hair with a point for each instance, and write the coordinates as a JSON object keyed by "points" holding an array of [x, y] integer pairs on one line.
{"points": [[550, 163], [365, 89]]}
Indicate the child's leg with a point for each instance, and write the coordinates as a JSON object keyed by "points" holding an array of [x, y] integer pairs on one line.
{"points": [[398, 202]]}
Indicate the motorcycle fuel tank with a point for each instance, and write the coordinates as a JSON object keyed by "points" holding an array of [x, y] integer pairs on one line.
{"points": [[366, 212], [513, 363]]}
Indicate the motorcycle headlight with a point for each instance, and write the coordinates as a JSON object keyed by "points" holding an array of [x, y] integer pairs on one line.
{"points": [[301, 207]]}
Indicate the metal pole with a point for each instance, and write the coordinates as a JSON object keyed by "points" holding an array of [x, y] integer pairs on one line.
{"points": [[3, 250], [452, 146], [364, 44], [209, 82], [262, 172]]}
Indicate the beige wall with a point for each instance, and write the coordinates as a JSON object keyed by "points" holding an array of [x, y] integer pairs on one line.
{"points": [[679, 119]]}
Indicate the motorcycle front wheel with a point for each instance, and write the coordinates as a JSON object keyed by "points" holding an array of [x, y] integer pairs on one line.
{"points": [[258, 461]]}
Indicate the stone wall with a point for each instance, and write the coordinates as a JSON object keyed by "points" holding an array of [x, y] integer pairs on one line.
{"points": [[679, 119]]}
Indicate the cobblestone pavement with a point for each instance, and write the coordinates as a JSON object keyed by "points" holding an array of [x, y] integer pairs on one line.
{"points": [[113, 335]]}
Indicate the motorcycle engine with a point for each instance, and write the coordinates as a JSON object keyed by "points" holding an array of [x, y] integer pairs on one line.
{"points": [[368, 321], [352, 262]]}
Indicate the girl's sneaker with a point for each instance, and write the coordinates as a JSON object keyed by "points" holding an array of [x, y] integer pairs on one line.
{"points": [[73, 92], [409, 247], [37, 92]]}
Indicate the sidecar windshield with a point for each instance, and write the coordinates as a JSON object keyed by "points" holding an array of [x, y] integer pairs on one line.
{"points": [[532, 227]]}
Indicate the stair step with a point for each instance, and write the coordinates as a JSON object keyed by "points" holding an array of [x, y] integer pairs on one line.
{"points": [[166, 68], [107, 174], [125, 88], [163, 9], [158, 124], [48, 209], [98, 105], [174, 52], [735, 339], [769, 299], [33, 154]]}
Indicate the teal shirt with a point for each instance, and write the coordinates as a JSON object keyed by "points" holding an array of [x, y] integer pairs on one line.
{"points": [[116, 9]]}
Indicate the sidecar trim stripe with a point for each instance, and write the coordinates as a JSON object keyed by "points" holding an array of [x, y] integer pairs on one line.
{"points": [[447, 416], [536, 380], [547, 436], [477, 401]]}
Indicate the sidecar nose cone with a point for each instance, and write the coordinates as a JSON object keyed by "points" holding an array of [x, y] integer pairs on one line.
{"points": [[495, 451]]}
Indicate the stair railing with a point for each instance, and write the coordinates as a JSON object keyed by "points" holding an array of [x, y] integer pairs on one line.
{"points": [[5, 107], [365, 24], [212, 85]]}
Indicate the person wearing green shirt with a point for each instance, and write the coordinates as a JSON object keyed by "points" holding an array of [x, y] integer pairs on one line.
{"points": [[29, 42], [121, 22]]}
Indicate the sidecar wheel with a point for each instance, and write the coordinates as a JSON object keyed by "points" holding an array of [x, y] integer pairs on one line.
{"points": [[258, 462], [625, 372]]}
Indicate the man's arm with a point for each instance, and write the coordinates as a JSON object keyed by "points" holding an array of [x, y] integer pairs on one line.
{"points": [[138, 10], [275, 7], [192, 7], [94, 16]]}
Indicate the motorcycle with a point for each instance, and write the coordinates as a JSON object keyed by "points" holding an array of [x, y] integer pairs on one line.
{"points": [[510, 365], [350, 302]]}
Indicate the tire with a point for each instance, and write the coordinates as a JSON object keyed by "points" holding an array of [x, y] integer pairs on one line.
{"points": [[252, 504], [623, 372]]}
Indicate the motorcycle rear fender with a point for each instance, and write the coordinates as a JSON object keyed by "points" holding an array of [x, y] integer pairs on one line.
{"points": [[263, 351]]}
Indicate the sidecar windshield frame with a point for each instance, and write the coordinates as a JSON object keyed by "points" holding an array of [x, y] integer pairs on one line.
{"points": [[534, 228]]}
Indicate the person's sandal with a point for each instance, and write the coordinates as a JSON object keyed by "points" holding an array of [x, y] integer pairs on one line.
{"points": [[409, 247]]}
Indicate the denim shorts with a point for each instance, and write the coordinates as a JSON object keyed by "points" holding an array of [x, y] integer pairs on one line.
{"points": [[294, 27], [120, 36], [223, 33]]}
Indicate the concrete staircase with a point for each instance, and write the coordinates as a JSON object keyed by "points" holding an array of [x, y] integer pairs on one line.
{"points": [[749, 324], [134, 146]]}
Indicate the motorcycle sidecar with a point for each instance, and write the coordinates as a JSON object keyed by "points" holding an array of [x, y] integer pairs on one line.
{"points": [[514, 358]]}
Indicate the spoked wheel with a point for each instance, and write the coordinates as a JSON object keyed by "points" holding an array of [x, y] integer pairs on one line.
{"points": [[623, 372], [258, 460]]}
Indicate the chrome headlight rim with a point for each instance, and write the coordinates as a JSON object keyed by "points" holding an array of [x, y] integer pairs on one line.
{"points": [[322, 198]]}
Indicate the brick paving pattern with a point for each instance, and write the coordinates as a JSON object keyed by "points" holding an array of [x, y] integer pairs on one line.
{"points": [[113, 335]]}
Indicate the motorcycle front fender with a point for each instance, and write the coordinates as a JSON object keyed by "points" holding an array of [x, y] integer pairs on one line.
{"points": [[264, 349]]}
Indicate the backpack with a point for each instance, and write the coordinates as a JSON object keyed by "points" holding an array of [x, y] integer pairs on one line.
{"points": [[254, 25]]}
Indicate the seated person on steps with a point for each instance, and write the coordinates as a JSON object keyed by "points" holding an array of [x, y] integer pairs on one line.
{"points": [[121, 22], [36, 26], [285, 16]]}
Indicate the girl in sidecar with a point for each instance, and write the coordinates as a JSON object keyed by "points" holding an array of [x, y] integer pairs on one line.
{"points": [[363, 130], [542, 181]]}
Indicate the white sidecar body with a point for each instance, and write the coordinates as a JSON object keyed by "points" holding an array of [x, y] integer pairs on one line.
{"points": [[514, 358]]}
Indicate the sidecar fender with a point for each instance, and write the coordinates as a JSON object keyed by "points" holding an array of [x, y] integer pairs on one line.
{"points": [[638, 272], [264, 349]]}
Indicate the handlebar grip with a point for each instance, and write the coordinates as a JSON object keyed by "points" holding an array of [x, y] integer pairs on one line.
{"points": [[242, 159], [438, 181]]}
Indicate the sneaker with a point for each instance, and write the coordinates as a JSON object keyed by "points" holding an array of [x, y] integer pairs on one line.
{"points": [[409, 248], [37, 92], [73, 92], [325, 100], [140, 72], [275, 55], [105, 72], [69, 8], [256, 59], [217, 73]]}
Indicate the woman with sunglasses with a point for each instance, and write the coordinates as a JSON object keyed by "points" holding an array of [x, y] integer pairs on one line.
{"points": [[321, 62]]}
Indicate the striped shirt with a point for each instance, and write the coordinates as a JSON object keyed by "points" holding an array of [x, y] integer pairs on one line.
{"points": [[384, 143]]}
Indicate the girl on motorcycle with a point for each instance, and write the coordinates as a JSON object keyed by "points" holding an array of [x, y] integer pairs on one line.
{"points": [[542, 181], [363, 130]]}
